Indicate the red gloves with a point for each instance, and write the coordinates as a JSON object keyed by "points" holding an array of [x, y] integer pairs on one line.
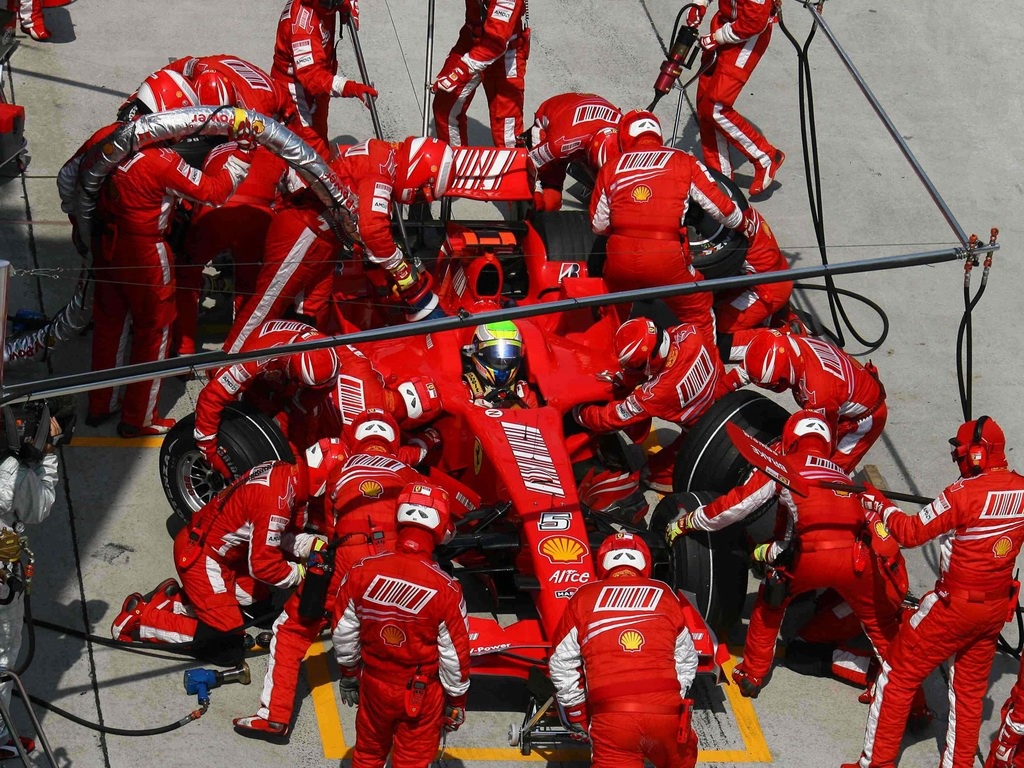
{"points": [[708, 42], [453, 78], [218, 464], [751, 223], [547, 200], [241, 131], [350, 10], [454, 713], [694, 14], [577, 720], [353, 89], [426, 440]]}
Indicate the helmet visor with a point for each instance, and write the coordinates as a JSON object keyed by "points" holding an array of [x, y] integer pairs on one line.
{"points": [[501, 358]]}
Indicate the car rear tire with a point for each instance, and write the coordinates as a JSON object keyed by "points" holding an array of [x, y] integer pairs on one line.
{"points": [[566, 234], [247, 438], [717, 251]]}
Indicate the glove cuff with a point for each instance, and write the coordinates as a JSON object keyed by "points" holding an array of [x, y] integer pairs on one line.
{"points": [[338, 85]]}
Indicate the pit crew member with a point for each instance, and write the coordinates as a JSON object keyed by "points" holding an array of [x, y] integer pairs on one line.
{"points": [[640, 202], [740, 33], [30, 17], [980, 519], [402, 641], [492, 49], [822, 378], [646, 716]]}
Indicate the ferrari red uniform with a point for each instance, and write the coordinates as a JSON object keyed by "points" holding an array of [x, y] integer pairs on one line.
{"points": [[298, 262], [362, 518], [306, 63], [233, 550], [640, 202], [1006, 751], [743, 29], [739, 313], [981, 524], [30, 17], [267, 385], [563, 127], [492, 49], [824, 536], [134, 275], [403, 619], [622, 646]]}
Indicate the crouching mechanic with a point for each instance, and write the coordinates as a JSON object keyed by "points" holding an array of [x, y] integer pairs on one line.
{"points": [[402, 640], [363, 488], [825, 546], [822, 378], [678, 377], [646, 714], [234, 549], [980, 519]]}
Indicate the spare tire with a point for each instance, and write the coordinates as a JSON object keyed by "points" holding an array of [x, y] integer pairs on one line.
{"points": [[710, 566], [566, 234], [717, 251], [248, 438]]}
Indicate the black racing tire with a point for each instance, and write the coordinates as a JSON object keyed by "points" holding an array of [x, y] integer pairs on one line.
{"points": [[710, 566], [716, 250], [248, 438], [566, 234]]}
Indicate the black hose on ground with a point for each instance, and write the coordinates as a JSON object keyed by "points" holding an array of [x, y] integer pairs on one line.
{"points": [[110, 730]]}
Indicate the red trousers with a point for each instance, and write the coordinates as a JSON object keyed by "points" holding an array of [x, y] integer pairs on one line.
{"points": [[383, 726], [30, 15], [857, 437], [719, 123], [940, 629], [745, 312], [504, 84], [297, 271], [625, 740], [635, 262], [135, 280], [869, 593], [312, 113]]}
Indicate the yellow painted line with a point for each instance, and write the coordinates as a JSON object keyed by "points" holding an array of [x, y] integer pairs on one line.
{"points": [[324, 703], [746, 720], [117, 442]]}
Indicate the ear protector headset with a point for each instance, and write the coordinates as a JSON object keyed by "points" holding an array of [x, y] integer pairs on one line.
{"points": [[977, 453]]}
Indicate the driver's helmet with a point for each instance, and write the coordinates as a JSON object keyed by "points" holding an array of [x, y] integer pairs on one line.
{"points": [[497, 353]]}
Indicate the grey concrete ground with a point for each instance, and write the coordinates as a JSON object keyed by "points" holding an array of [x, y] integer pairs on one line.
{"points": [[950, 82]]}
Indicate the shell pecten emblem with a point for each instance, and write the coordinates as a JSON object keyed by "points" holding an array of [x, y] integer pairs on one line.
{"points": [[392, 635], [371, 489], [632, 641], [641, 193], [1002, 546], [563, 549], [881, 531]]}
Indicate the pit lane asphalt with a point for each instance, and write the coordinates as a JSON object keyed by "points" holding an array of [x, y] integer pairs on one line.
{"points": [[950, 93]]}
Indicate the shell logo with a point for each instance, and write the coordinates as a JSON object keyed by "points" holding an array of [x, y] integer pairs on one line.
{"points": [[392, 636], [881, 531], [371, 489], [631, 641], [641, 193], [1002, 546], [563, 549]]}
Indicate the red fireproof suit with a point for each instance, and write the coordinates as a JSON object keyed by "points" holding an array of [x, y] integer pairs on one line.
{"points": [[401, 616], [746, 28], [562, 129], [1005, 750], [234, 548], [134, 275], [30, 16], [493, 45], [640, 203], [306, 63], [981, 522], [825, 534], [623, 646], [740, 312], [362, 517]]}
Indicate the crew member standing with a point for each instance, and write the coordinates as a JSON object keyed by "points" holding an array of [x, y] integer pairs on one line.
{"points": [[492, 49], [626, 623], [740, 33], [402, 640], [980, 518]]}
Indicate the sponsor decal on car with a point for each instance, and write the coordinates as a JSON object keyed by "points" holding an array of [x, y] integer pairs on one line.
{"points": [[563, 549], [569, 576], [489, 649], [536, 466], [565, 594], [478, 456]]}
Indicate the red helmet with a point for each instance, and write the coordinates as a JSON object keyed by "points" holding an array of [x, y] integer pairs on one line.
{"points": [[375, 427], [636, 125], [166, 89], [213, 89], [768, 360], [640, 345], [623, 550], [424, 169], [603, 148], [316, 369], [805, 428], [425, 506], [321, 458], [978, 445]]}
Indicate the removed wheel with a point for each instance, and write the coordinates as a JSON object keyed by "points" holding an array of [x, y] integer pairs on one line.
{"points": [[189, 482], [717, 251]]}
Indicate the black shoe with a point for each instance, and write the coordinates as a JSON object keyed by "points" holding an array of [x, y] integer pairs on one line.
{"points": [[99, 419]]}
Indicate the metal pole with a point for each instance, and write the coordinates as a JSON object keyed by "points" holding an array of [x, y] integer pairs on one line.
{"points": [[947, 214], [428, 74], [83, 382], [5, 274]]}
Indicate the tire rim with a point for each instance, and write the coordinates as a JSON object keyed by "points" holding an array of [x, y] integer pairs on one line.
{"points": [[197, 481]]}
